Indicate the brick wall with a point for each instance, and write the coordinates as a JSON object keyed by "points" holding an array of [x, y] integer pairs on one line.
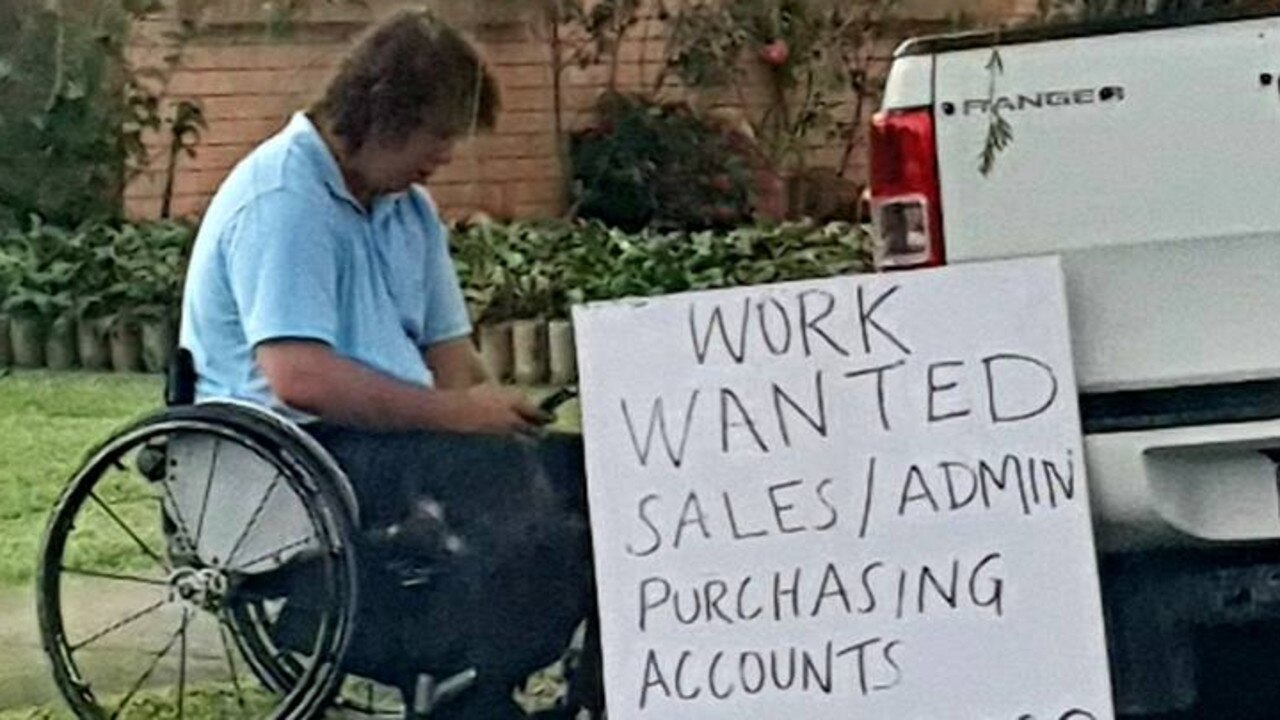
{"points": [[249, 82]]}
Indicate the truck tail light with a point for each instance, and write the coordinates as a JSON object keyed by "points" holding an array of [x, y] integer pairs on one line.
{"points": [[906, 200]]}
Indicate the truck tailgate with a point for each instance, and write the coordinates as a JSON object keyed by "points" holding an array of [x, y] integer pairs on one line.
{"points": [[1151, 162]]}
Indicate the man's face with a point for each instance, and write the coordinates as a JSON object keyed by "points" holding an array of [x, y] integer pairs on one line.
{"points": [[391, 167]]}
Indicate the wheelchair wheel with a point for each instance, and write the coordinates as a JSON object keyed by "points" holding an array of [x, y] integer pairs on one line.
{"points": [[257, 633], [160, 543]]}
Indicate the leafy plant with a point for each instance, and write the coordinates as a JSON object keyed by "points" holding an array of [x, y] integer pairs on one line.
{"points": [[505, 268], [74, 108], [602, 27], [648, 163], [528, 270], [185, 126], [815, 55], [41, 264], [999, 131], [147, 269]]}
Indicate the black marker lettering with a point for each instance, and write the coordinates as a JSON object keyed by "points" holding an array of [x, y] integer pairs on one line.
{"points": [[644, 518], [949, 471], [994, 598], [652, 678], [716, 591], [780, 509], [649, 601], [889, 659], [695, 612], [780, 593], [702, 348], [859, 649], [948, 593], [733, 521], [778, 682], [760, 672], [1052, 476], [915, 476], [765, 331], [715, 664], [999, 415], [818, 423], [691, 514], [870, 607], [658, 421], [809, 324], [742, 593], [820, 677], [879, 372], [866, 504], [935, 389], [725, 424], [680, 693], [867, 323], [832, 587], [826, 502]]}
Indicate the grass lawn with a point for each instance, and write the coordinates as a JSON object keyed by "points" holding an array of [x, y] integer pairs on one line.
{"points": [[48, 422], [211, 702]]}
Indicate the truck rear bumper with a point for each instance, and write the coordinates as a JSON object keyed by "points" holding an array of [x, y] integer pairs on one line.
{"points": [[1184, 486]]}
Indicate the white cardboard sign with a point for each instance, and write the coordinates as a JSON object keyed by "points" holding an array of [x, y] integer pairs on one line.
{"points": [[862, 497]]}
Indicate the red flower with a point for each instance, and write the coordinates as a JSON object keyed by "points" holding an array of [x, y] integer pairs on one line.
{"points": [[776, 53]]}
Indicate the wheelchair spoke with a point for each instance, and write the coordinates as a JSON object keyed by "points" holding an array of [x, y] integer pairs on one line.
{"points": [[253, 519], [155, 662], [208, 487], [182, 662], [129, 531], [114, 576], [128, 619], [132, 499], [276, 553], [184, 531], [231, 665]]}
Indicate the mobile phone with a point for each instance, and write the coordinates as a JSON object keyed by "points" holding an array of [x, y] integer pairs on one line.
{"points": [[553, 401]]}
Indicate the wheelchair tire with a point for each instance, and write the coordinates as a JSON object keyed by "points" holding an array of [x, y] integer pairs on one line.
{"points": [[118, 538], [358, 696]]}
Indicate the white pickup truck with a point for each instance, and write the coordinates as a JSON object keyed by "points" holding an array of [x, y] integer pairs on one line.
{"points": [[1146, 154]]}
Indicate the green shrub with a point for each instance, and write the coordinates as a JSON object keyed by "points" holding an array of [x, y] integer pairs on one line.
{"points": [[41, 264], [95, 271], [645, 163], [147, 267], [528, 270]]}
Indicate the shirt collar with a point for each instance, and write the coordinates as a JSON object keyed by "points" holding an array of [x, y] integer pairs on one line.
{"points": [[304, 134]]}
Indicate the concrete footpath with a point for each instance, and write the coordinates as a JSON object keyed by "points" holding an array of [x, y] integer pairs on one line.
{"points": [[25, 678], [25, 675]]}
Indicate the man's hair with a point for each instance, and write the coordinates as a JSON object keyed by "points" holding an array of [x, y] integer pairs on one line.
{"points": [[411, 71]]}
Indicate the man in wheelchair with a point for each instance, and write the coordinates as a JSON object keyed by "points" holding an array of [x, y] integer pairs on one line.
{"points": [[321, 288]]}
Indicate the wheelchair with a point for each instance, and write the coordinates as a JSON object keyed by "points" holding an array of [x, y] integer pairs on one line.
{"points": [[208, 561]]}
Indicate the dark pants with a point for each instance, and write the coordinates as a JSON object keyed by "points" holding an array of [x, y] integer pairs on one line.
{"points": [[509, 603]]}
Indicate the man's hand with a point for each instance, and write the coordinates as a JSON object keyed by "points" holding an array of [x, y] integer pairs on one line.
{"points": [[495, 410]]}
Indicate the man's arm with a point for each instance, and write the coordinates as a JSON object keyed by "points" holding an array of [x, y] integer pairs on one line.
{"points": [[456, 364], [311, 377]]}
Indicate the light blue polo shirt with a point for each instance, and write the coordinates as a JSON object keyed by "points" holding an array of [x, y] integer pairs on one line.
{"points": [[285, 251]]}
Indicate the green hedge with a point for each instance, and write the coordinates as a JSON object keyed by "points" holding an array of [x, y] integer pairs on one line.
{"points": [[508, 271], [93, 271], [540, 269]]}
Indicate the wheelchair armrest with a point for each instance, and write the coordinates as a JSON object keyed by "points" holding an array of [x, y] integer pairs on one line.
{"points": [[180, 379]]}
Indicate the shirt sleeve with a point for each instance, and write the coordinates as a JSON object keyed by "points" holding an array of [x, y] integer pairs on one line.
{"points": [[447, 317], [284, 261]]}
